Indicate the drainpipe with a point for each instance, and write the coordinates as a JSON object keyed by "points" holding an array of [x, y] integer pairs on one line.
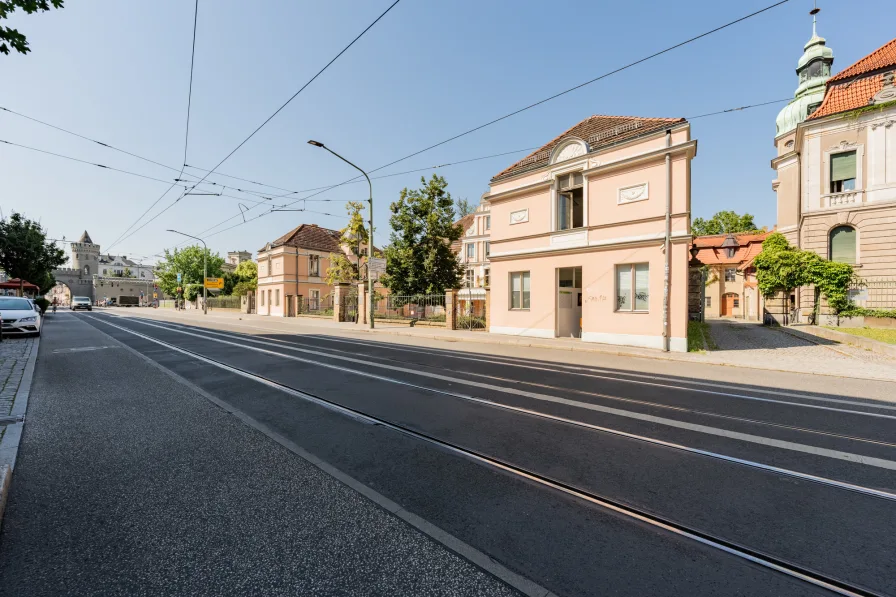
{"points": [[667, 247]]}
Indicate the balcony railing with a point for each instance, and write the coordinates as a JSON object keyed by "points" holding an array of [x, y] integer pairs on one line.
{"points": [[845, 198]]}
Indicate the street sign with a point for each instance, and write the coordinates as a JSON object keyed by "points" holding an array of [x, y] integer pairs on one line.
{"points": [[376, 265], [214, 283], [178, 277], [155, 295]]}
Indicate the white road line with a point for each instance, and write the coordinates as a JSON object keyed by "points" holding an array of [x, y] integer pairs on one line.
{"points": [[576, 370], [652, 520], [796, 447]]}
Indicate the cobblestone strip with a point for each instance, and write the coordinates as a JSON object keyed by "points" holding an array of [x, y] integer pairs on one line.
{"points": [[14, 355]]}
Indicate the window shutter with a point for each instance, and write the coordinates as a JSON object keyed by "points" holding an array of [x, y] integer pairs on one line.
{"points": [[843, 166], [843, 244]]}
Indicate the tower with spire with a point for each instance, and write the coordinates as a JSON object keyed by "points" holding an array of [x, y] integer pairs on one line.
{"points": [[86, 256], [813, 71]]}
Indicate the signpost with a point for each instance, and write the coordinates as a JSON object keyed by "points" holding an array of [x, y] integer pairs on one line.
{"points": [[214, 283], [376, 265]]}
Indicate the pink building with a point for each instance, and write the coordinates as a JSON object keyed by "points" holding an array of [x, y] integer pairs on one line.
{"points": [[584, 229]]}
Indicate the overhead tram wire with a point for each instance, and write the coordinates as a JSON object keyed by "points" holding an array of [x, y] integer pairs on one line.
{"points": [[269, 118], [552, 97], [122, 236], [311, 80]]}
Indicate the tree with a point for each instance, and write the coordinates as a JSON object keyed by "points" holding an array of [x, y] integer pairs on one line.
{"points": [[419, 259], [187, 262], [12, 36], [127, 273], [463, 207], [245, 278], [781, 268], [354, 237], [723, 222], [26, 254]]}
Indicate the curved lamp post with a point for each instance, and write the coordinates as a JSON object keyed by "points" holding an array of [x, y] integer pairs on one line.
{"points": [[369, 238], [204, 270]]}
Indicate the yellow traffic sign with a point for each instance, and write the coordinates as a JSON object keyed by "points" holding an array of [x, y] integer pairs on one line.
{"points": [[214, 283], [155, 295]]}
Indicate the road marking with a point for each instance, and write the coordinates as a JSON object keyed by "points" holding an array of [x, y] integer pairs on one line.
{"points": [[576, 370], [775, 443], [792, 570], [82, 349]]}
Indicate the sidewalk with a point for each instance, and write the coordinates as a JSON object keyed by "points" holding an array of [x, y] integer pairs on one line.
{"points": [[766, 349]]}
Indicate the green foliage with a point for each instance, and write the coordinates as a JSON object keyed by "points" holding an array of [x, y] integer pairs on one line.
{"points": [[853, 310], [781, 268], [723, 222], [25, 252], [12, 36], [43, 303], [187, 261], [127, 273], [419, 259], [463, 207], [243, 280], [854, 114], [191, 291], [355, 238], [469, 322]]}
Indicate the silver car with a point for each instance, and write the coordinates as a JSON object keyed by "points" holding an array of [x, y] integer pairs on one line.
{"points": [[19, 316]]}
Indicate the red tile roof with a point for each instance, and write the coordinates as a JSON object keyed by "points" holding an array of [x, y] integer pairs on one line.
{"points": [[855, 86], [464, 223], [598, 132], [708, 250], [309, 236], [883, 57]]}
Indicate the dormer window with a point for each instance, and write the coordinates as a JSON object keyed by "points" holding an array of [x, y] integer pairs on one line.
{"points": [[570, 201]]}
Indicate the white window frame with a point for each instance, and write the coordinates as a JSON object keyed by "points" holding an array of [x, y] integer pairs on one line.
{"points": [[522, 275], [634, 287], [487, 248], [470, 249], [314, 266], [733, 271]]}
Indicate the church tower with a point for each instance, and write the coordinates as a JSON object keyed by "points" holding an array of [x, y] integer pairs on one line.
{"points": [[86, 256]]}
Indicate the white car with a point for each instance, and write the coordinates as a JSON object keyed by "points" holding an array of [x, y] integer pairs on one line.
{"points": [[19, 316], [81, 302]]}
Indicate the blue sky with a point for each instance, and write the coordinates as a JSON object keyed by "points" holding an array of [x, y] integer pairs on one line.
{"points": [[118, 72]]}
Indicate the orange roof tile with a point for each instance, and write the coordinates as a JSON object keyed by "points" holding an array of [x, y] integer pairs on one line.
{"points": [[708, 250], [855, 86], [882, 57], [743, 238]]}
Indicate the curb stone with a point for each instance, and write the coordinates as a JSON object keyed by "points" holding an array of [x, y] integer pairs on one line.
{"points": [[9, 445]]}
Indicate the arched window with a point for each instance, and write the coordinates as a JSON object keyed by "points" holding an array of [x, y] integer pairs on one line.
{"points": [[843, 244], [86, 270]]}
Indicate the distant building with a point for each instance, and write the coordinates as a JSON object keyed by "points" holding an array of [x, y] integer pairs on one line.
{"points": [[474, 246], [234, 258], [836, 171], [294, 267], [730, 287], [96, 276]]}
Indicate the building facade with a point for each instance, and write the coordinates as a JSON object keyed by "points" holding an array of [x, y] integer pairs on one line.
{"points": [[234, 258], [474, 247], [590, 235], [836, 170], [119, 266], [730, 283], [86, 276], [293, 268]]}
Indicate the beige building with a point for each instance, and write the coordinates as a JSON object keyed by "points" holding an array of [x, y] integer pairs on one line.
{"points": [[836, 168], [295, 267], [474, 247], [234, 258], [730, 287], [590, 235]]}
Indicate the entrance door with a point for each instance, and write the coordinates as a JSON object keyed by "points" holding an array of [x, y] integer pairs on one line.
{"points": [[729, 303], [569, 302]]}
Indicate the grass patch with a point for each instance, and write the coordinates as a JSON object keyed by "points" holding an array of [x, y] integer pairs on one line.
{"points": [[699, 337], [887, 335]]}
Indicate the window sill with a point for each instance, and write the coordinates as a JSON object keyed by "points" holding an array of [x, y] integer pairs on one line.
{"points": [[632, 312], [512, 309]]}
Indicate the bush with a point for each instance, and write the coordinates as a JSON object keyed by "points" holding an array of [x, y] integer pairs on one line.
{"points": [[467, 322], [42, 303]]}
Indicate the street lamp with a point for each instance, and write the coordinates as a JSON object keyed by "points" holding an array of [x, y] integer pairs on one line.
{"points": [[204, 270], [369, 238]]}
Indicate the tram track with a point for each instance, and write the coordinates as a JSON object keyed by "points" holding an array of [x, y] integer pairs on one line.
{"points": [[755, 556]]}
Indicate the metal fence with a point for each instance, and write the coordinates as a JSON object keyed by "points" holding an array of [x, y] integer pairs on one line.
{"points": [[316, 306], [224, 302], [470, 310], [166, 303], [421, 307], [874, 293], [349, 306]]}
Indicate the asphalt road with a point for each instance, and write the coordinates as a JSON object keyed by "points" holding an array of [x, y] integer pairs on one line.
{"points": [[803, 479]]}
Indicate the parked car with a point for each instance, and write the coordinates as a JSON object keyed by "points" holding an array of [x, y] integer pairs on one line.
{"points": [[19, 316], [81, 302]]}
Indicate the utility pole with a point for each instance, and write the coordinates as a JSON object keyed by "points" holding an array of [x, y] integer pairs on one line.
{"points": [[204, 269], [371, 302]]}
